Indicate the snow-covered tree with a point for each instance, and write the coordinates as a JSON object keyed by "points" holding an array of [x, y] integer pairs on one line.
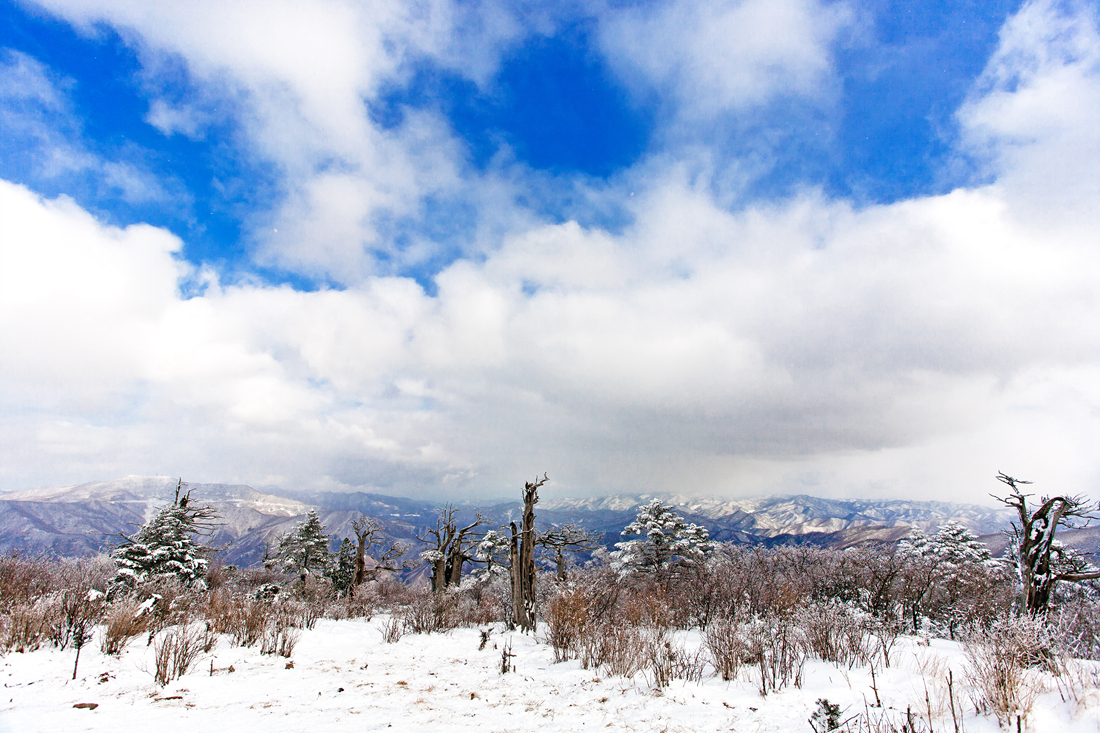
{"points": [[306, 548], [493, 551], [665, 537], [952, 547], [949, 571], [164, 546], [342, 569], [1040, 560]]}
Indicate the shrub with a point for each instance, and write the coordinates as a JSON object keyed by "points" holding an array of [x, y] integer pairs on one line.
{"points": [[175, 650], [124, 620], [1002, 665]]}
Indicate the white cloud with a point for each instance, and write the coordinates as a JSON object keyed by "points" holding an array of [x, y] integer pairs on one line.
{"points": [[1033, 113], [299, 76], [715, 57], [909, 349]]}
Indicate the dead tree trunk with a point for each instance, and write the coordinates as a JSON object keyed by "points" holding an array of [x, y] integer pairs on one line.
{"points": [[1035, 546], [523, 559], [451, 547], [514, 574]]}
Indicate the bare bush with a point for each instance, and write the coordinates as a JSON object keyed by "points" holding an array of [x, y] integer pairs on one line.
{"points": [[313, 595], [391, 630], [124, 620], [246, 620], [282, 631], [30, 623], [835, 632], [175, 650], [23, 580], [566, 618], [776, 647], [727, 646], [668, 660], [1002, 670], [430, 613], [621, 650]]}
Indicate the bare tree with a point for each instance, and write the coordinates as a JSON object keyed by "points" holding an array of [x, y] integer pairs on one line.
{"points": [[567, 538], [523, 559], [370, 535], [1037, 553], [452, 547]]}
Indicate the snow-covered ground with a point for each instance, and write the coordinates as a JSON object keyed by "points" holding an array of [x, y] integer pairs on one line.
{"points": [[344, 677]]}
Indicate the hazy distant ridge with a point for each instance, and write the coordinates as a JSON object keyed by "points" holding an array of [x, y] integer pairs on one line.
{"points": [[80, 519]]}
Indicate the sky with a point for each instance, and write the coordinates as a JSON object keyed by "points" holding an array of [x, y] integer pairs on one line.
{"points": [[846, 248]]}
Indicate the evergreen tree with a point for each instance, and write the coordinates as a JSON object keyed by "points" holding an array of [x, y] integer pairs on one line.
{"points": [[665, 537], [951, 549], [164, 546], [306, 548], [342, 573]]}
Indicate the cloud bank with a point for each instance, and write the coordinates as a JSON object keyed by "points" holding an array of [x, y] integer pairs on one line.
{"points": [[793, 344]]}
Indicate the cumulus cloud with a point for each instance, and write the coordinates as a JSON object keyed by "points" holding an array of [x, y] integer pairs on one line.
{"points": [[728, 55], [905, 349], [299, 77]]}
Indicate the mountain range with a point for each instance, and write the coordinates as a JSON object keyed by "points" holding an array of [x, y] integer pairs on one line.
{"points": [[89, 518]]}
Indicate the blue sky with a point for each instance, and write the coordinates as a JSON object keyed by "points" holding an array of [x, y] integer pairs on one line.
{"points": [[553, 102], [693, 236]]}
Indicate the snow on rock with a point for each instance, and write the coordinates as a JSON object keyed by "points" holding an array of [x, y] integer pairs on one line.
{"points": [[345, 678]]}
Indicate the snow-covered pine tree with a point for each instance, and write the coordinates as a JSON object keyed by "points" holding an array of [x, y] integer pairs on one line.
{"points": [[342, 572], [306, 548], [164, 546], [492, 550], [951, 548], [665, 537]]}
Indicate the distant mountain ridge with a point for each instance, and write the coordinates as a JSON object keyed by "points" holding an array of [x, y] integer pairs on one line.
{"points": [[82, 519]]}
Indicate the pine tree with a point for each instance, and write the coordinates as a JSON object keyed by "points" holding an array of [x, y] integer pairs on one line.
{"points": [[342, 573], [665, 537], [306, 548], [951, 549], [164, 547]]}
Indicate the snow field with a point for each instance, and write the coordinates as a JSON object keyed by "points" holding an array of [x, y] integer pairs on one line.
{"points": [[345, 677]]}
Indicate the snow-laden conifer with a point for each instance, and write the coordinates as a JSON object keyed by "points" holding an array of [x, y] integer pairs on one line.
{"points": [[305, 549], [164, 546], [665, 536], [952, 548]]}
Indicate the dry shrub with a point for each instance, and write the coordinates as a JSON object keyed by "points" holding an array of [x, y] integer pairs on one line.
{"points": [[391, 630], [171, 603], [1002, 670], [776, 646], [566, 619], [124, 620], [312, 597], [29, 624], [668, 660], [281, 633], [361, 602], [645, 604], [430, 613], [621, 651], [23, 580], [247, 619], [175, 650], [727, 646], [1077, 619], [835, 632]]}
